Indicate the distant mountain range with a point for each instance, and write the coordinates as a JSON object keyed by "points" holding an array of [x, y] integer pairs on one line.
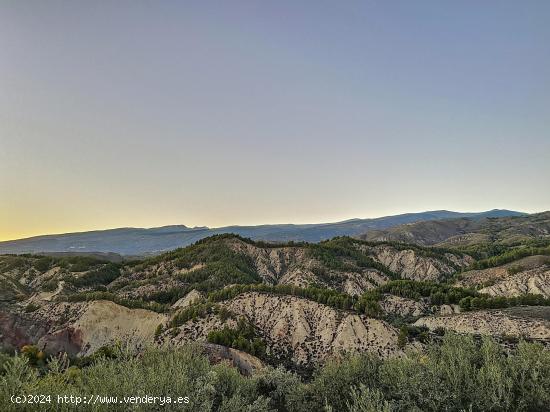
{"points": [[138, 241]]}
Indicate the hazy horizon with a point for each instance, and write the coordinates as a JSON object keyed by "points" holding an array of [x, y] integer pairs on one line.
{"points": [[263, 223], [139, 114]]}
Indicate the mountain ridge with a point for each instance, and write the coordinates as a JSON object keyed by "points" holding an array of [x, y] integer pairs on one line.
{"points": [[142, 241]]}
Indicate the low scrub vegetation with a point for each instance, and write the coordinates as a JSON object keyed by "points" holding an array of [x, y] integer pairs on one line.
{"points": [[460, 374]]}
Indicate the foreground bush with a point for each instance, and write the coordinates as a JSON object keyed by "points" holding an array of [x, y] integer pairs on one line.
{"points": [[457, 375]]}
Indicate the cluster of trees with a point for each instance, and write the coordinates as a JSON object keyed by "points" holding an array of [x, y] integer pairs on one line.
{"points": [[34, 355], [170, 296], [207, 250], [484, 250], [11, 262], [458, 375], [217, 274], [129, 303], [341, 253], [510, 255], [221, 266], [99, 272], [411, 332], [321, 295], [512, 270], [72, 263], [42, 264], [368, 303], [327, 276], [78, 263], [195, 311], [243, 337], [438, 293], [50, 285], [499, 302], [31, 307], [99, 276]]}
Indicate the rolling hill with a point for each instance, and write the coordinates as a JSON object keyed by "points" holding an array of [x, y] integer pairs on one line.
{"points": [[464, 232]]}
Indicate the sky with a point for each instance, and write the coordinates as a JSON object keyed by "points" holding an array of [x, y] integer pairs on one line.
{"points": [[140, 113]]}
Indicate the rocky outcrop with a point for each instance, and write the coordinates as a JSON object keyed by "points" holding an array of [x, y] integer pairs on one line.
{"points": [[19, 329], [192, 297], [410, 264], [308, 332], [358, 283], [404, 307], [534, 281], [297, 329], [42, 297], [104, 322], [527, 275], [277, 264], [80, 328], [493, 322], [244, 362], [445, 310], [294, 266], [196, 330]]}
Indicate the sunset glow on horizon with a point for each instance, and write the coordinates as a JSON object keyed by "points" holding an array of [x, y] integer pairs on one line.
{"points": [[141, 114]]}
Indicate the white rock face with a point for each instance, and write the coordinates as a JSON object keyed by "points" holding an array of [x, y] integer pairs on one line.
{"points": [[309, 331], [358, 283], [402, 306], [445, 310], [192, 297], [285, 265], [41, 297], [98, 323], [104, 322], [474, 278], [535, 281], [293, 266], [410, 265], [299, 329], [493, 322]]}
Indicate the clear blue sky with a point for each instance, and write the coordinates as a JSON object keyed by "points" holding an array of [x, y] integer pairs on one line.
{"points": [[129, 113]]}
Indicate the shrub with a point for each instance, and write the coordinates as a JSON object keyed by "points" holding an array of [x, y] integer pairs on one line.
{"points": [[50, 285], [43, 264], [243, 337], [31, 307], [459, 374], [512, 270]]}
